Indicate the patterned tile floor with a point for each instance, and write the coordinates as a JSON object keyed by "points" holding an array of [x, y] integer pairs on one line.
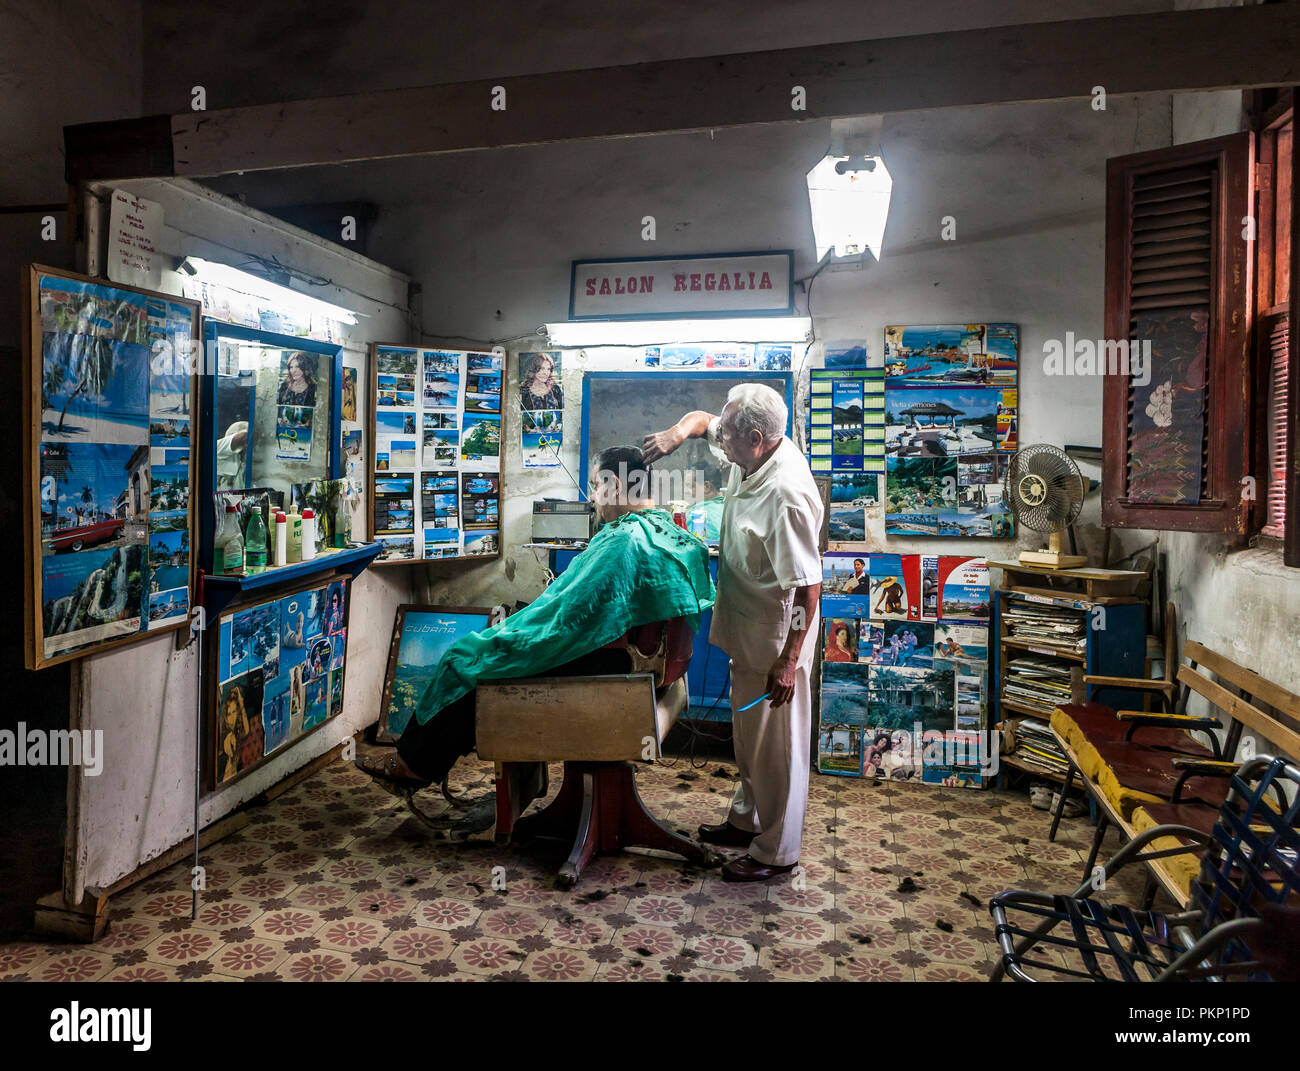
{"points": [[336, 881]]}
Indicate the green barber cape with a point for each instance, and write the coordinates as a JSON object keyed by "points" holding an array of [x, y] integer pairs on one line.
{"points": [[640, 569]]}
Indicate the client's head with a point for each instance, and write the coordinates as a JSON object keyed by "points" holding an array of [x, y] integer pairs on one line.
{"points": [[620, 482]]}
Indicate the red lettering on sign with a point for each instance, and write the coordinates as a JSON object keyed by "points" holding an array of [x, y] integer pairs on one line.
{"points": [[710, 281], [695, 281], [679, 283], [618, 286], [766, 282], [647, 284], [723, 282], [740, 283], [591, 288], [751, 280], [604, 285]]}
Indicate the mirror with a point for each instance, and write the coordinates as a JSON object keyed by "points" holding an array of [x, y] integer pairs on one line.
{"points": [[274, 414], [621, 408]]}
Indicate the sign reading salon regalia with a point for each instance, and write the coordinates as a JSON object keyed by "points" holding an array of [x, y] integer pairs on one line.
{"points": [[750, 284]]}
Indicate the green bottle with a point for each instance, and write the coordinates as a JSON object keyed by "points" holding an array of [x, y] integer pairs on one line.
{"points": [[255, 542]]}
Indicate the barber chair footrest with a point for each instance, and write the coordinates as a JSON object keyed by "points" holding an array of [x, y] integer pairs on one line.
{"points": [[599, 809]]}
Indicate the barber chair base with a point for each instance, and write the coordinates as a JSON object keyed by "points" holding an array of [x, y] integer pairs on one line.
{"points": [[599, 810]]}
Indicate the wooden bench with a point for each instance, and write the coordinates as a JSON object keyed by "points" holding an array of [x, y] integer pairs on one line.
{"points": [[1144, 769]]}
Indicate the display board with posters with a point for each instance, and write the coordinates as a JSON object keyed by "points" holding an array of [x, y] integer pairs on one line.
{"points": [[109, 412], [846, 420], [904, 648], [436, 433], [278, 675], [951, 404]]}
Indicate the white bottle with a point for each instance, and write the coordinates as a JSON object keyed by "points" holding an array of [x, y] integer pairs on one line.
{"points": [[281, 539], [308, 534]]}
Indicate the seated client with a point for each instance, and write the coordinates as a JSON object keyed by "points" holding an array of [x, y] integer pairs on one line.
{"points": [[638, 569]]}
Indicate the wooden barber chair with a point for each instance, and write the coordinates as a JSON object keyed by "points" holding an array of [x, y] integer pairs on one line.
{"points": [[597, 726]]}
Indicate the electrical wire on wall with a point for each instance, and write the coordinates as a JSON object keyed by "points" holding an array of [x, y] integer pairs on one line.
{"points": [[811, 280]]}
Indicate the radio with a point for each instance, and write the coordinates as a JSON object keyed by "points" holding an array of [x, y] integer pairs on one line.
{"points": [[563, 522]]}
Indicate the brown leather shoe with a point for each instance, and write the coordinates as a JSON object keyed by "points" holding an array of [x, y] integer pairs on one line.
{"points": [[747, 868], [390, 772], [727, 835]]}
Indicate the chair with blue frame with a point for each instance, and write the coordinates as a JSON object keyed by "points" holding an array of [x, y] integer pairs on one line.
{"points": [[1248, 868]]}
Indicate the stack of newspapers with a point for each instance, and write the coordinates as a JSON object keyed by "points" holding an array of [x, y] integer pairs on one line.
{"points": [[1052, 628], [1041, 684], [1037, 747]]}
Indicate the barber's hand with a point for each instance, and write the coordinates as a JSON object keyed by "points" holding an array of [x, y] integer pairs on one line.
{"points": [[780, 682], [661, 444]]}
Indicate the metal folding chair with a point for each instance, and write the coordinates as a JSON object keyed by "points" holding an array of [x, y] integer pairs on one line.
{"points": [[1250, 860]]}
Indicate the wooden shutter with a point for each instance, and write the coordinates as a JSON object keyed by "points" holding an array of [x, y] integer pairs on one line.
{"points": [[1273, 341], [1178, 277], [1275, 328]]}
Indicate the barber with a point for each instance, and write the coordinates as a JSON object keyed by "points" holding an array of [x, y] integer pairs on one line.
{"points": [[769, 583]]}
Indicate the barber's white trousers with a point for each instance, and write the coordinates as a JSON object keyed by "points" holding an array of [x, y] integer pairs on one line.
{"points": [[772, 753]]}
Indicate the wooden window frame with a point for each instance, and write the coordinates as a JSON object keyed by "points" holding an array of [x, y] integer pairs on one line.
{"points": [[1274, 302], [1291, 545], [1229, 343]]}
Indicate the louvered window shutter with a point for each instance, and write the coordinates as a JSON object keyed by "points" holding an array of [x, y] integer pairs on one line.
{"points": [[1274, 335], [1175, 432]]}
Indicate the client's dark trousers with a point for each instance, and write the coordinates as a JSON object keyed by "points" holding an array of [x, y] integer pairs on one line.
{"points": [[431, 749]]}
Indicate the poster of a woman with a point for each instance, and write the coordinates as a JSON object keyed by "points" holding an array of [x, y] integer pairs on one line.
{"points": [[349, 403], [841, 641], [298, 379], [242, 736], [539, 382]]}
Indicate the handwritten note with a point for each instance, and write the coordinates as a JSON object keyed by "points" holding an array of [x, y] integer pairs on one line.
{"points": [[134, 226]]}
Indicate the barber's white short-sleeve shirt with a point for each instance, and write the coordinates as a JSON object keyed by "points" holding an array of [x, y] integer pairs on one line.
{"points": [[771, 523]]}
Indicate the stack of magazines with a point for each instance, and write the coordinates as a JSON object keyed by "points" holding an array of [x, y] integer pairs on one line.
{"points": [[1037, 747], [1054, 628], [1042, 684]]}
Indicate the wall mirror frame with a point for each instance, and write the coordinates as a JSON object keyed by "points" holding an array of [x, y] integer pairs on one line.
{"points": [[277, 395]]}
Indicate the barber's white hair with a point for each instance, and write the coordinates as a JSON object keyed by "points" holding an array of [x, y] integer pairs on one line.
{"points": [[759, 408]]}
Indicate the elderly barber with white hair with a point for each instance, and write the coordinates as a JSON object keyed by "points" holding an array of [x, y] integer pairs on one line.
{"points": [[769, 581]]}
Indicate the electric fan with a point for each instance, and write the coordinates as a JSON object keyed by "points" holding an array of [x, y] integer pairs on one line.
{"points": [[1045, 491]]}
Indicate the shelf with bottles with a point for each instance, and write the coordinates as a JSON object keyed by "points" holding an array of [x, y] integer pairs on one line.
{"points": [[220, 589]]}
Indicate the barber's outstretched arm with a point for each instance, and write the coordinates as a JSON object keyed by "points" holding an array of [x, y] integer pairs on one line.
{"points": [[662, 443], [780, 679]]}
